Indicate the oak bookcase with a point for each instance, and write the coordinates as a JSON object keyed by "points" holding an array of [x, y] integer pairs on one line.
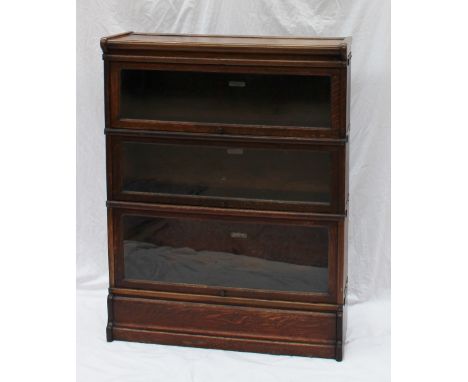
{"points": [[227, 191]]}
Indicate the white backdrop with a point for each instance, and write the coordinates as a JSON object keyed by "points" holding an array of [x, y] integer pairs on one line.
{"points": [[367, 21]]}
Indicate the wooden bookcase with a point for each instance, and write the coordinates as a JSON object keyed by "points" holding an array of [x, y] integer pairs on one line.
{"points": [[227, 191]]}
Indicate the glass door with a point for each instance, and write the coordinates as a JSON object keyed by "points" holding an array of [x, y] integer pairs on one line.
{"points": [[223, 174], [231, 100], [224, 254], [226, 98]]}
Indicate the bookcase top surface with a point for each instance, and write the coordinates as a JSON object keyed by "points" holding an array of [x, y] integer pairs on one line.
{"points": [[259, 44]]}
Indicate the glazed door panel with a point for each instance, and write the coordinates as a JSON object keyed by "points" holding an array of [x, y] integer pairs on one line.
{"points": [[179, 250], [224, 174], [237, 101], [225, 98]]}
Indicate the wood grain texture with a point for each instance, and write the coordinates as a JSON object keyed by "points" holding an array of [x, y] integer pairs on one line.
{"points": [[275, 322], [333, 48], [225, 321], [224, 300], [225, 343]]}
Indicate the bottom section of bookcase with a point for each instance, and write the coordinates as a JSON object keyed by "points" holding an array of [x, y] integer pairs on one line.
{"points": [[300, 332]]}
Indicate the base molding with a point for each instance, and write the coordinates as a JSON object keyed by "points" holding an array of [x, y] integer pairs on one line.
{"points": [[223, 343], [240, 328]]}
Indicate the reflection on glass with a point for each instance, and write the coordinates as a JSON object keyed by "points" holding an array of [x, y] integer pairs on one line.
{"points": [[226, 253], [256, 99], [228, 172]]}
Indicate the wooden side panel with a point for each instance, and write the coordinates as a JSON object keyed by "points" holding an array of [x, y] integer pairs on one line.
{"points": [[225, 321]]}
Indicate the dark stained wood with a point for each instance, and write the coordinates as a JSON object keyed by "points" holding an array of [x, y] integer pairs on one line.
{"points": [[110, 318], [225, 343], [175, 135], [225, 320], [332, 48], [200, 211], [104, 40], [339, 334], [232, 318], [225, 300], [208, 58], [111, 245]]}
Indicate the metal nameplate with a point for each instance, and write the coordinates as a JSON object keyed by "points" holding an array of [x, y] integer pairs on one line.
{"points": [[237, 84], [236, 151], [238, 235]]}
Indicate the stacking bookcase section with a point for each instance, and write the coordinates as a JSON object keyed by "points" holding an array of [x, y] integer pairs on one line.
{"points": [[246, 86], [239, 253], [295, 176], [200, 100], [227, 185]]}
